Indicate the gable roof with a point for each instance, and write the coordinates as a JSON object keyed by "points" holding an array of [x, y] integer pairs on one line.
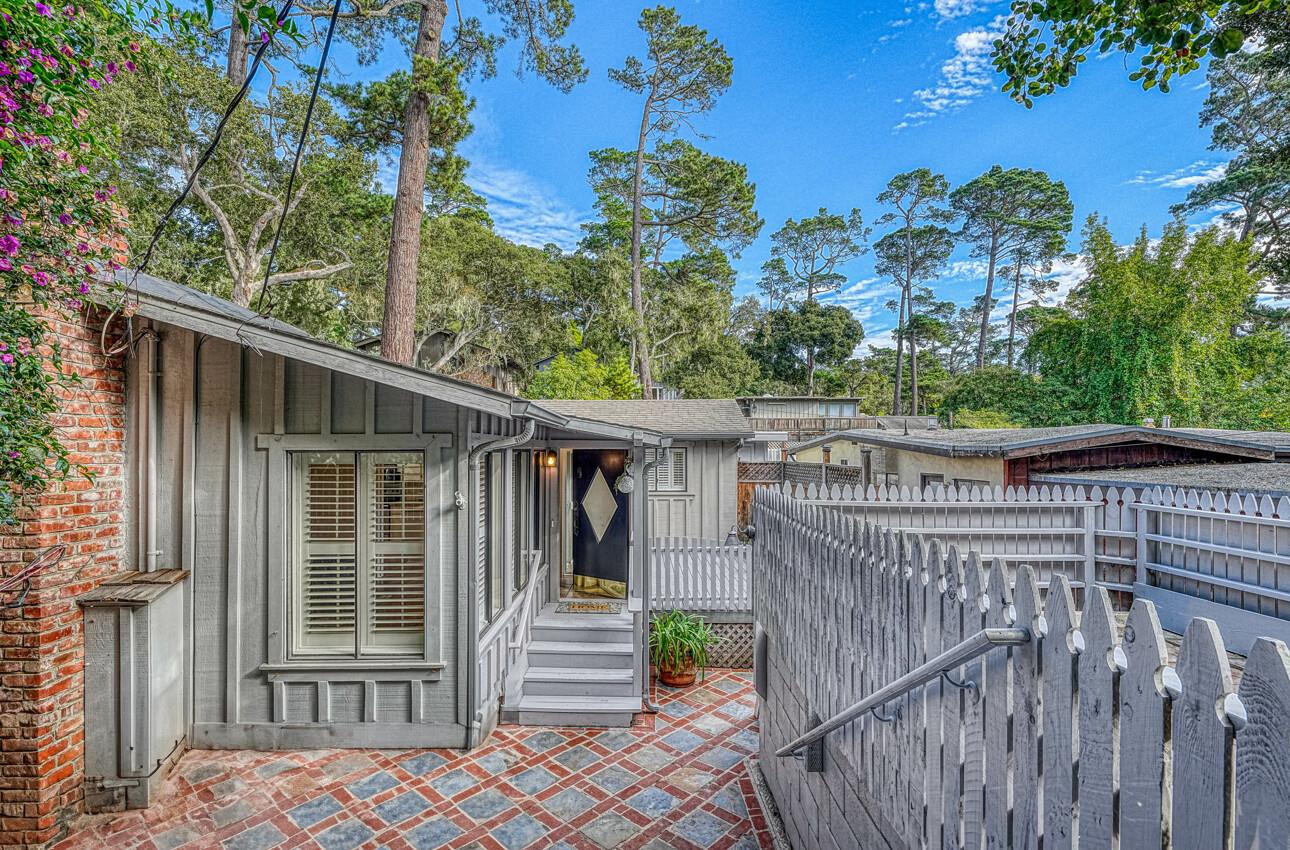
{"points": [[175, 304], [682, 418], [1256, 478], [1024, 442]]}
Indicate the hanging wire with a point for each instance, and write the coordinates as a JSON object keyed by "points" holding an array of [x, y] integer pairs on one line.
{"points": [[215, 140], [295, 164]]}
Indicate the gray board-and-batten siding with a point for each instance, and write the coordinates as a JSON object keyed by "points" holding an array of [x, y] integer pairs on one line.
{"points": [[225, 417]]}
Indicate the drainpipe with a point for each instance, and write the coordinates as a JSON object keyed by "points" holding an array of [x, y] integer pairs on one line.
{"points": [[146, 420], [645, 590], [472, 630]]}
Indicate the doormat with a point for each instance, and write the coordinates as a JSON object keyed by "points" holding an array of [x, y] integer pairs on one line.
{"points": [[589, 608]]}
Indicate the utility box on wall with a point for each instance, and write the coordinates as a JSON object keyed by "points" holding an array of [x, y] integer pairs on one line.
{"points": [[135, 654]]}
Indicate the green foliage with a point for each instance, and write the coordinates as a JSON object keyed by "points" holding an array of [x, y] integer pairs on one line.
{"points": [[583, 376], [794, 335], [1153, 330], [61, 220], [678, 640], [1045, 41], [983, 419], [805, 255], [1019, 398], [718, 368]]}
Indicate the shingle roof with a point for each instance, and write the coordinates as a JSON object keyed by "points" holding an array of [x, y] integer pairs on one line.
{"points": [[1013, 442], [720, 418], [1272, 479]]}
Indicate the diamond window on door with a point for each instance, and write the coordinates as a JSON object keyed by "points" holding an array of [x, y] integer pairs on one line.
{"points": [[600, 505]]}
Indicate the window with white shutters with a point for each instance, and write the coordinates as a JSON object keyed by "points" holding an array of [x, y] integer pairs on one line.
{"points": [[360, 558], [669, 476]]}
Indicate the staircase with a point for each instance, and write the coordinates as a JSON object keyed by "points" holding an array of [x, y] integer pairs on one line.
{"points": [[580, 671]]}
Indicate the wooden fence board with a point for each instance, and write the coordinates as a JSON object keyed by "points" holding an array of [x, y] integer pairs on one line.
{"points": [[1200, 739], [1059, 646], [1097, 674], [1262, 772], [1142, 730]]}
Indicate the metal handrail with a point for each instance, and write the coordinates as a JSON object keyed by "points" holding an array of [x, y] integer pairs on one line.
{"points": [[961, 653]]}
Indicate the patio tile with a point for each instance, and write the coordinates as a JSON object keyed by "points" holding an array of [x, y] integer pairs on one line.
{"points": [[689, 778], [494, 763], [652, 802], [731, 799], [701, 828], [436, 833], [485, 805], [348, 764], [533, 780], [651, 757], [576, 758], [613, 779], [423, 764], [174, 838], [228, 788], [711, 724], [610, 830], [453, 783], [402, 807], [747, 739], [737, 710], [345, 835], [676, 708], [728, 685], [274, 768], [568, 804], [232, 813], [308, 814], [370, 786], [260, 837], [204, 773], [614, 739], [682, 740], [518, 832], [543, 741], [721, 758]]}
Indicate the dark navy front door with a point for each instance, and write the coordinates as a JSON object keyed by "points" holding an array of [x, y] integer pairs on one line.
{"points": [[600, 519]]}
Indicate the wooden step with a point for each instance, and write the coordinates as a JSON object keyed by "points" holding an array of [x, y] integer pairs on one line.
{"points": [[577, 711], [594, 654], [579, 681]]}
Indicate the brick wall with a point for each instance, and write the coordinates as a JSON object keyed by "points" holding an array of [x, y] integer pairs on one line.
{"points": [[41, 647]]}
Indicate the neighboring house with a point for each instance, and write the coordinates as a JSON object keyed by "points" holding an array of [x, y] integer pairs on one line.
{"points": [[782, 423], [1021, 456], [1256, 478], [693, 491], [431, 349], [334, 550]]}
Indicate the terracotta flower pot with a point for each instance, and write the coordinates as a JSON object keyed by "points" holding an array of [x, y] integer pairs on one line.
{"points": [[679, 678]]}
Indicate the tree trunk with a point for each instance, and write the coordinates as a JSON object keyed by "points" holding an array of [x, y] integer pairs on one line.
{"points": [[913, 363], [1012, 317], [985, 303], [398, 326], [641, 336], [242, 287], [810, 371], [238, 52], [896, 402]]}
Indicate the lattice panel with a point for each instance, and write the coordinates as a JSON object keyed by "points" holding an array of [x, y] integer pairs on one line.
{"points": [[732, 646]]}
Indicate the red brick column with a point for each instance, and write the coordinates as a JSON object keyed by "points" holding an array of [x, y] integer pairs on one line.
{"points": [[42, 763]]}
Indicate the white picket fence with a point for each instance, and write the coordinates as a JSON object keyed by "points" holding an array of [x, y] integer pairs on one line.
{"points": [[1193, 553], [1088, 735], [693, 574]]}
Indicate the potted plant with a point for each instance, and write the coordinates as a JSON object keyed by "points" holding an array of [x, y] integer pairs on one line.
{"points": [[678, 647]]}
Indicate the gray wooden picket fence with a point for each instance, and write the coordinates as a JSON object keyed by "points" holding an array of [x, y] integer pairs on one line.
{"points": [[1089, 735], [694, 574], [1193, 553]]}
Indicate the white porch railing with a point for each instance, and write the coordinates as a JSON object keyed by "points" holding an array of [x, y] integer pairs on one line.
{"points": [[693, 574]]}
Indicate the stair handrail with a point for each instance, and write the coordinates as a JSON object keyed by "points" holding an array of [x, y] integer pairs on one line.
{"points": [[961, 653], [538, 569]]}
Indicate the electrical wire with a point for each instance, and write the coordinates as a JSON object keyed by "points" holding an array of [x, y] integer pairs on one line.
{"points": [[295, 164]]}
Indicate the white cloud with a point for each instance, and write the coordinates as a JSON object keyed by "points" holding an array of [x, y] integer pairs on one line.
{"points": [[1198, 173], [963, 77], [949, 9], [524, 209], [966, 270]]}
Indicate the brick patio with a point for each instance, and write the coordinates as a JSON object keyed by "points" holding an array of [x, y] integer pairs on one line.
{"points": [[675, 781]]}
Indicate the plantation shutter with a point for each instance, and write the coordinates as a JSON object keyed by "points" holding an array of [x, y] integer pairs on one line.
{"points": [[394, 590], [669, 474], [326, 587]]}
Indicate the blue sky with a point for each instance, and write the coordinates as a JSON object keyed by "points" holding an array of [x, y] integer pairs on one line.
{"points": [[829, 100]]}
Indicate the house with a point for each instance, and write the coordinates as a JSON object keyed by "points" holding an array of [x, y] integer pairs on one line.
{"points": [[1021, 456], [335, 551], [782, 423], [693, 490]]}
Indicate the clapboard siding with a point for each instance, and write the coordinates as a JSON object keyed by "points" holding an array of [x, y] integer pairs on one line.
{"points": [[216, 401]]}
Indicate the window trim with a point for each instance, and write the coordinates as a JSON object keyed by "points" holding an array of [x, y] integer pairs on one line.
{"points": [[653, 478], [440, 530]]}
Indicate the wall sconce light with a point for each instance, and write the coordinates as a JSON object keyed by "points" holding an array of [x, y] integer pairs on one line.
{"points": [[549, 458]]}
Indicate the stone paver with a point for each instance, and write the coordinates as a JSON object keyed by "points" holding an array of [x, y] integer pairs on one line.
{"points": [[675, 781]]}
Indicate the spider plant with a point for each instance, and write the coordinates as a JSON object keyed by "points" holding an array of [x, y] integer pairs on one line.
{"points": [[678, 644]]}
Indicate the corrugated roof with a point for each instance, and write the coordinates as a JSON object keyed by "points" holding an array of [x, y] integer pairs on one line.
{"points": [[720, 418], [1271, 479]]}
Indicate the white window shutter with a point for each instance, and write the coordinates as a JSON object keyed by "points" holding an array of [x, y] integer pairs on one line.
{"points": [[395, 553], [328, 554]]}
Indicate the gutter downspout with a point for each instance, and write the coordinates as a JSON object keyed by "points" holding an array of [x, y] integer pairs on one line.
{"points": [[472, 629], [645, 590]]}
